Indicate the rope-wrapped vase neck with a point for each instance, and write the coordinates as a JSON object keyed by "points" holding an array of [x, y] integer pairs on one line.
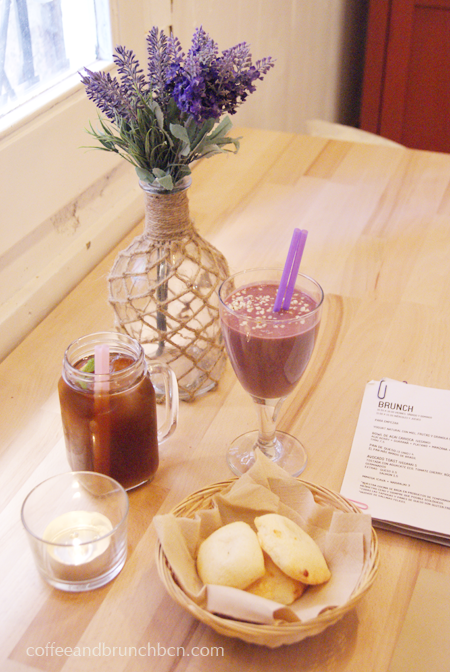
{"points": [[167, 212]]}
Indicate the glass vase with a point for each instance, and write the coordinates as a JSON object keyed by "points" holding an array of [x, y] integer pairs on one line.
{"points": [[164, 291]]}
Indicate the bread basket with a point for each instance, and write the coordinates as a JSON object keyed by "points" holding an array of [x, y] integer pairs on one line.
{"points": [[267, 635]]}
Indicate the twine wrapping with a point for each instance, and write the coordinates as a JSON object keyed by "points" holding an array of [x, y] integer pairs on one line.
{"points": [[167, 216]]}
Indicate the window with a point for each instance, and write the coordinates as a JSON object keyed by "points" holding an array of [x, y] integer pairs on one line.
{"points": [[40, 45]]}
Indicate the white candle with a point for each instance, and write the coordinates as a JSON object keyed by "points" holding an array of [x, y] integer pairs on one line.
{"points": [[77, 547]]}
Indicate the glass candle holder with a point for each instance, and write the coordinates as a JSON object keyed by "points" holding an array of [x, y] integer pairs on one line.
{"points": [[76, 525]]}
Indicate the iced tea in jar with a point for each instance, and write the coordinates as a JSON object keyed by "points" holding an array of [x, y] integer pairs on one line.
{"points": [[108, 408]]}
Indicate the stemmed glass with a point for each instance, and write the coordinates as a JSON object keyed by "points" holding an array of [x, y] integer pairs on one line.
{"points": [[269, 352]]}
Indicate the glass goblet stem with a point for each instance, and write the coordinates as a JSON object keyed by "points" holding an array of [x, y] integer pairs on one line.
{"points": [[267, 411]]}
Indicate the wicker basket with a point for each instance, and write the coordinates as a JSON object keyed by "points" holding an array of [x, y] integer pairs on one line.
{"points": [[267, 635]]}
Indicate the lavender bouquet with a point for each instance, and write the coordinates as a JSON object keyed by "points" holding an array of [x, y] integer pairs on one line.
{"points": [[164, 121]]}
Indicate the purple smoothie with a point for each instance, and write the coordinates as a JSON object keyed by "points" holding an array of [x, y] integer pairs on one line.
{"points": [[268, 351]]}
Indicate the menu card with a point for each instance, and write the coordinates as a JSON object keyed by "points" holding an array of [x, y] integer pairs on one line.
{"points": [[399, 465]]}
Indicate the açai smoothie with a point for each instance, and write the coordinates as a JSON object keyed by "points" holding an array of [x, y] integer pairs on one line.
{"points": [[269, 351]]}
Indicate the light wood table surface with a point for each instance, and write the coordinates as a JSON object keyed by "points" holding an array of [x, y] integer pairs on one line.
{"points": [[379, 243]]}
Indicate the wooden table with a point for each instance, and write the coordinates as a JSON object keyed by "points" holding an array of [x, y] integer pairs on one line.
{"points": [[379, 243]]}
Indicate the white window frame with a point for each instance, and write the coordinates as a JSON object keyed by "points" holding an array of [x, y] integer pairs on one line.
{"points": [[64, 208]]}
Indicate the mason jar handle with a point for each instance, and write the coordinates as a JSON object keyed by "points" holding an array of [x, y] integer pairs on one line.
{"points": [[171, 399]]}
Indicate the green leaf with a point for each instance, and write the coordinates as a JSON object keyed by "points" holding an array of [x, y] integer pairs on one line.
{"points": [[229, 141], [181, 133], [166, 182], [89, 367], [210, 150], [222, 128], [158, 113], [196, 133], [144, 175]]}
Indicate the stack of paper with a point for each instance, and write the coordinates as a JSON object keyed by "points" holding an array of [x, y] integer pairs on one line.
{"points": [[399, 465]]}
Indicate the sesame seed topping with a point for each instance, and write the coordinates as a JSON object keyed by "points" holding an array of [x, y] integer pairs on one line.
{"points": [[255, 302]]}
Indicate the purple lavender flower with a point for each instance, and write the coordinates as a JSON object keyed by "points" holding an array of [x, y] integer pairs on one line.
{"points": [[165, 119], [203, 83], [105, 91], [133, 84], [164, 58], [207, 84]]}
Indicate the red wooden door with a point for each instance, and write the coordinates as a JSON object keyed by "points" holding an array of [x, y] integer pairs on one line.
{"points": [[408, 100]]}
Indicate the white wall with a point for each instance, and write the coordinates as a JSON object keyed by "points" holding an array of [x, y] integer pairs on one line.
{"points": [[318, 46]]}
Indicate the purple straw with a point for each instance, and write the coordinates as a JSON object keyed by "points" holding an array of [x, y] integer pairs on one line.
{"points": [[290, 271], [294, 271]]}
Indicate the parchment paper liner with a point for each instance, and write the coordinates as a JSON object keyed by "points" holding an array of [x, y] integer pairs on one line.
{"points": [[343, 537]]}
